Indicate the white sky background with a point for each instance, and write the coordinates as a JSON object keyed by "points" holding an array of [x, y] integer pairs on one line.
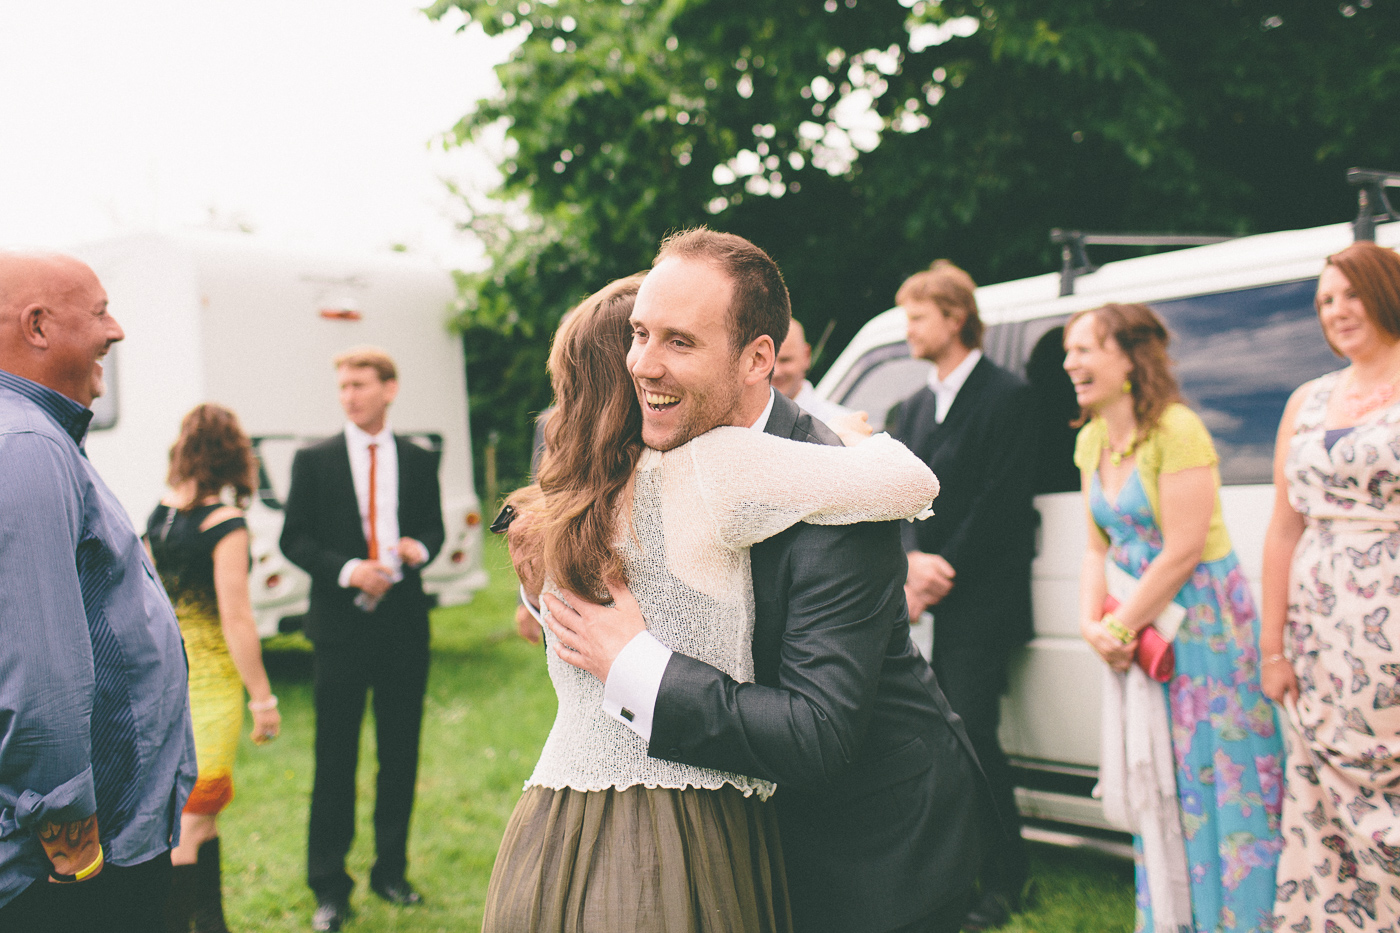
{"points": [[309, 120]]}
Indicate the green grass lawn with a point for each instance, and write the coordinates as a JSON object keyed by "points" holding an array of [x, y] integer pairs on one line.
{"points": [[488, 710]]}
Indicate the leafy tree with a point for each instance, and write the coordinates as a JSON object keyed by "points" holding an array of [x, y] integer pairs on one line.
{"points": [[856, 140]]}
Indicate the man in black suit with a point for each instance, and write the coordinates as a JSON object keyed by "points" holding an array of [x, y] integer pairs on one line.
{"points": [[875, 774], [971, 563], [363, 516]]}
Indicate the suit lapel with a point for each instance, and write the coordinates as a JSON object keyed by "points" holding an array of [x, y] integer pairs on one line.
{"points": [[923, 426], [401, 445], [967, 396], [782, 420]]}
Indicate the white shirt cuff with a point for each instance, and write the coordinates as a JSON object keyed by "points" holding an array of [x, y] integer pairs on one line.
{"points": [[629, 696], [349, 568], [530, 605]]}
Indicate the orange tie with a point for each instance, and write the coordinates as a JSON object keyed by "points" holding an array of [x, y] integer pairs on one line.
{"points": [[373, 513]]}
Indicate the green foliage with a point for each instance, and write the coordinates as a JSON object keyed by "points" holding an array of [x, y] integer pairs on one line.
{"points": [[856, 140]]}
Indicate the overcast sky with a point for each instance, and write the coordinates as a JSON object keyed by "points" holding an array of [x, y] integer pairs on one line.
{"points": [[308, 120]]}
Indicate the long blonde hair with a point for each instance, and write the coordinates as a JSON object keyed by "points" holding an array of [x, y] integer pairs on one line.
{"points": [[592, 443]]}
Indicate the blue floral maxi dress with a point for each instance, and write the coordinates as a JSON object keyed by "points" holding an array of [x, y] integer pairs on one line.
{"points": [[1340, 869], [1224, 736]]}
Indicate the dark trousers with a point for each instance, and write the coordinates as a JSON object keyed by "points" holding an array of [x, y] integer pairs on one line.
{"points": [[946, 919], [973, 678], [121, 899], [396, 673]]}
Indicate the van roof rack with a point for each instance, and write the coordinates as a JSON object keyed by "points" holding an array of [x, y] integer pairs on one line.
{"points": [[1074, 258], [1372, 206]]}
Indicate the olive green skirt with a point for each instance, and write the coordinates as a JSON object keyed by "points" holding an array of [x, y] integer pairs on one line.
{"points": [[642, 859]]}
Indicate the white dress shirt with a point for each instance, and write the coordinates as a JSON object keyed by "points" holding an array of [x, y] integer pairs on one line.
{"points": [[946, 390], [386, 494]]}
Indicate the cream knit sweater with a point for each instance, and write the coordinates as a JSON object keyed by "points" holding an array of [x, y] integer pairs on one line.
{"points": [[695, 511]]}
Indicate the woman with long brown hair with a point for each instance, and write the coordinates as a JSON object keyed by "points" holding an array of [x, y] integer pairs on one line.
{"points": [[606, 838], [200, 547], [1190, 764], [1331, 645]]}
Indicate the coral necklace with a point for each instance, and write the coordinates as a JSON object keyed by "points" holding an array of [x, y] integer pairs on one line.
{"points": [[1357, 405]]}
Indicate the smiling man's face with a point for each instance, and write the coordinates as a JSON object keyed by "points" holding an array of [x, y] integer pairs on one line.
{"points": [[688, 377], [79, 330]]}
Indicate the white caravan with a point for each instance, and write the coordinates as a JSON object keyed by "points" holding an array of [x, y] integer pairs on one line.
{"points": [[1244, 336], [231, 319]]}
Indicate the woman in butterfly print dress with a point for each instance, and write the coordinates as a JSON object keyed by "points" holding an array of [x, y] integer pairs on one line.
{"points": [[1332, 611]]}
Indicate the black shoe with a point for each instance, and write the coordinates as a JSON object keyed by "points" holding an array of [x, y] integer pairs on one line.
{"points": [[399, 892], [991, 910], [330, 913]]}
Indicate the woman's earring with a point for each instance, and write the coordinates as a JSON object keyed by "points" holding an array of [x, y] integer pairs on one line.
{"points": [[1127, 387]]}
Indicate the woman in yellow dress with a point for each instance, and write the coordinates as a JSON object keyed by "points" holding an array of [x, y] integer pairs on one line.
{"points": [[200, 547]]}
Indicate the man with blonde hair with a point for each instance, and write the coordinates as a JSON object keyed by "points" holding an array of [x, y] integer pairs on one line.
{"points": [[363, 516], [970, 563]]}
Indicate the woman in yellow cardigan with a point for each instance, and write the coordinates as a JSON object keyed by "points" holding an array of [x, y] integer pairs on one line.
{"points": [[1159, 555]]}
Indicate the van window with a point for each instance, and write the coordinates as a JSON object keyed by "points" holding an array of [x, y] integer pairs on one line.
{"points": [[1052, 396], [1239, 356], [881, 379]]}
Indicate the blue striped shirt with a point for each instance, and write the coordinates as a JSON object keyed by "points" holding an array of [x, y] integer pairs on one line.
{"points": [[94, 696]]}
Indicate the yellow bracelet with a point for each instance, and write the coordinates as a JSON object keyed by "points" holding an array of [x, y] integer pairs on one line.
{"points": [[92, 869], [1117, 629], [82, 875]]}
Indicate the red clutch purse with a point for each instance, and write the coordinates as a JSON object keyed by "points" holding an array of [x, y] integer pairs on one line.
{"points": [[1154, 653]]}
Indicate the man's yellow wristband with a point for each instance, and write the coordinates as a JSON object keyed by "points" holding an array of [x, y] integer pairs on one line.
{"points": [[82, 875]]}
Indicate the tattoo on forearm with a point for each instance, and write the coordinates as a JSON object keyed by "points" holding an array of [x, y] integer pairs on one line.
{"points": [[63, 839]]}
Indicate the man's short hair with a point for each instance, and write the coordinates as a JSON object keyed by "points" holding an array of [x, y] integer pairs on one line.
{"points": [[760, 303], [953, 291], [367, 357]]}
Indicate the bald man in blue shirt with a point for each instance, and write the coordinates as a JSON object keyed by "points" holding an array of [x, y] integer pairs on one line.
{"points": [[96, 750]]}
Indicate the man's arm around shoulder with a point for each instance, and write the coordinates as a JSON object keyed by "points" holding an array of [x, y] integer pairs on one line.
{"points": [[845, 599]]}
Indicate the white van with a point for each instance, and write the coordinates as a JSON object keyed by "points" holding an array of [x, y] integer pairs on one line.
{"points": [[1244, 336], [229, 318]]}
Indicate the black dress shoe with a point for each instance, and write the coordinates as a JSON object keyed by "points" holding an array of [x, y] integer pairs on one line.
{"points": [[330, 913], [991, 910], [398, 892]]}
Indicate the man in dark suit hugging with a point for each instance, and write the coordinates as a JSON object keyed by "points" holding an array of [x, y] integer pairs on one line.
{"points": [[970, 564], [876, 778], [363, 516]]}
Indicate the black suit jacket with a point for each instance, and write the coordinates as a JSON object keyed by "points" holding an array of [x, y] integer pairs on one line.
{"points": [[874, 771], [984, 523], [322, 530]]}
